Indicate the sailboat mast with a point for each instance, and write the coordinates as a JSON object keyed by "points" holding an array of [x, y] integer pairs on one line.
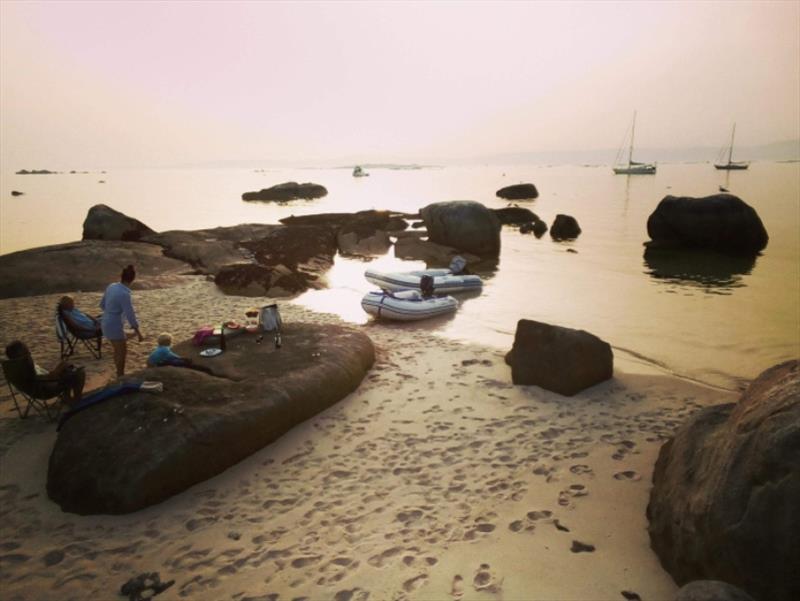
{"points": [[633, 131], [730, 150]]}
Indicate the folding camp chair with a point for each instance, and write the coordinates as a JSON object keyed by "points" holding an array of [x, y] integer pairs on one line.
{"points": [[68, 338], [35, 392]]}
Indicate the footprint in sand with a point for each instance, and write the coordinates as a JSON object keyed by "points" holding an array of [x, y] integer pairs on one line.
{"points": [[628, 475], [580, 469], [457, 589], [484, 580], [414, 583], [573, 491]]}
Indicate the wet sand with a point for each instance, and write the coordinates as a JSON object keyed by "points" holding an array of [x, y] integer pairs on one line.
{"points": [[436, 479]]}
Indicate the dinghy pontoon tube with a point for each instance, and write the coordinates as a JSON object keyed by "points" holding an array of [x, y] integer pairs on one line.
{"points": [[407, 305], [444, 281]]}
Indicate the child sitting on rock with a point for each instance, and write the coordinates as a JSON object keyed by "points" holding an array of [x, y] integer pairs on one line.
{"points": [[164, 355]]}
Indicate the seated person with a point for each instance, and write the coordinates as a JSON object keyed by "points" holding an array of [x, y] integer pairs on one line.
{"points": [[64, 377], [163, 355], [77, 321]]}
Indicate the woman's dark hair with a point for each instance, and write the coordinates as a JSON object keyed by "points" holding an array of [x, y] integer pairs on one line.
{"points": [[128, 274], [16, 350]]}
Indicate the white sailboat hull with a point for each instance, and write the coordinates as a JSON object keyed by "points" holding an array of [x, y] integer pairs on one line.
{"points": [[636, 170]]}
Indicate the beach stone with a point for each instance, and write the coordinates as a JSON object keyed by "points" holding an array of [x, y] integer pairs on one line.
{"points": [[104, 223], [251, 279], [139, 449], [288, 191], [86, 266], [515, 215], [559, 359], [726, 491], [711, 590], [463, 224], [565, 227], [721, 222], [518, 192]]}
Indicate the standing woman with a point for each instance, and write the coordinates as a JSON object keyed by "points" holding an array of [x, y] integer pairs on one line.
{"points": [[116, 304]]}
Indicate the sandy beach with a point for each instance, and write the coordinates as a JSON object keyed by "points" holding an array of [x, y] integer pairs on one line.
{"points": [[436, 479]]}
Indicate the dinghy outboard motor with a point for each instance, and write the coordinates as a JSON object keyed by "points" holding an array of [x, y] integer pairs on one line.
{"points": [[458, 264], [426, 286]]}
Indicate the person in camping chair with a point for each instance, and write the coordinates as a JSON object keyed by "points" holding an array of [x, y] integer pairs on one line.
{"points": [[77, 320], [63, 377]]}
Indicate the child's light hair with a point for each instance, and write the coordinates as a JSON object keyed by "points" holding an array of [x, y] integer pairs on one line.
{"points": [[164, 339]]}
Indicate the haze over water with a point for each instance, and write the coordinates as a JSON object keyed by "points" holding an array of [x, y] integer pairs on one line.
{"points": [[716, 322]]}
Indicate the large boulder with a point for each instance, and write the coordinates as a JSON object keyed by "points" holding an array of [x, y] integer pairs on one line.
{"points": [[726, 491], [133, 451], [288, 191], [104, 223], [518, 192], [720, 222], [90, 265], [565, 227], [711, 590], [560, 359], [463, 224]]}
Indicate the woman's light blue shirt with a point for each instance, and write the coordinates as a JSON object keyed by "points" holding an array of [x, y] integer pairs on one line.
{"points": [[116, 303]]}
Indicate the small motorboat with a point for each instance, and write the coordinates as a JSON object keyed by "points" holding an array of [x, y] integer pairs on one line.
{"points": [[444, 280], [406, 305], [359, 172]]}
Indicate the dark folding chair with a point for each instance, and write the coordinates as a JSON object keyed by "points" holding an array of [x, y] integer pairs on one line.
{"points": [[68, 337], [36, 392]]}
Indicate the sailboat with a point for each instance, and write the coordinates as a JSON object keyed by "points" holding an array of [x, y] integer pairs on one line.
{"points": [[731, 165], [633, 167]]}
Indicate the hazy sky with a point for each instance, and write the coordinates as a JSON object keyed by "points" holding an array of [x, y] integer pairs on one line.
{"points": [[92, 84]]}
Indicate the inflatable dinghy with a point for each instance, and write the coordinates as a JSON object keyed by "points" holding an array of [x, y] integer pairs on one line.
{"points": [[444, 280], [407, 305]]}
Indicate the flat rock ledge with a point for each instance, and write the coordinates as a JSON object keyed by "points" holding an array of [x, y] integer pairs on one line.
{"points": [[137, 450]]}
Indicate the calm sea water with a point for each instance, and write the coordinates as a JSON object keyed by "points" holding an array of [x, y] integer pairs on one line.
{"points": [[715, 321]]}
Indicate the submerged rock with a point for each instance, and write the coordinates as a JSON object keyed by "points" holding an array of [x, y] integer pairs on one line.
{"points": [[726, 491], [16, 193], [288, 191], [134, 451], [720, 222], [518, 192], [515, 215], [560, 359]]}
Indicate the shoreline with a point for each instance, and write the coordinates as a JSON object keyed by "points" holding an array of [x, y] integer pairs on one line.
{"points": [[433, 479]]}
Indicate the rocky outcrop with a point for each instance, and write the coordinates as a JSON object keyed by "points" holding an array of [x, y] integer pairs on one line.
{"points": [[90, 265], [16, 193], [133, 451], [35, 172], [519, 192], [720, 222], [252, 279], [560, 359], [104, 223], [565, 227], [711, 590], [726, 491], [463, 224], [288, 191], [210, 250]]}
